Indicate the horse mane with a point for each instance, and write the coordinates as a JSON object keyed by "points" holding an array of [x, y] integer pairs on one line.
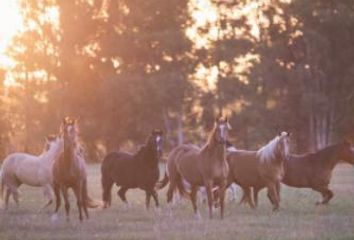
{"points": [[77, 146], [210, 139], [145, 148], [53, 150], [267, 153]]}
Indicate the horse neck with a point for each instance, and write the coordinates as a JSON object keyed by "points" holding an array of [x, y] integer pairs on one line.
{"points": [[69, 151], [270, 152], [50, 155], [147, 154], [212, 147]]}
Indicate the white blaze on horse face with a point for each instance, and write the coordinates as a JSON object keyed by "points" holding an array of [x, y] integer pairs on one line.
{"points": [[71, 131], [223, 131], [285, 143], [158, 140], [286, 146]]}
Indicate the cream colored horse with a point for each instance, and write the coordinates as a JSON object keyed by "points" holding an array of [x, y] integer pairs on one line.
{"points": [[36, 171], [265, 166]]}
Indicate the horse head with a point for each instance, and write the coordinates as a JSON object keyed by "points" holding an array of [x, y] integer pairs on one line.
{"points": [[51, 141], [69, 129], [283, 146], [155, 140], [221, 129], [345, 152]]}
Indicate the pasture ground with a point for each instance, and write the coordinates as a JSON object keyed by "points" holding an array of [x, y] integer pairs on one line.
{"points": [[298, 218]]}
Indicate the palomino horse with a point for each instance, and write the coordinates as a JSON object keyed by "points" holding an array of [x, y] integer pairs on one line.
{"points": [[69, 171], [139, 170], [23, 168], [263, 167], [200, 167], [314, 170]]}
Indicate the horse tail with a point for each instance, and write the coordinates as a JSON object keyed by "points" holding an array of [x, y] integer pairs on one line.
{"points": [[91, 203], [181, 188], [161, 184]]}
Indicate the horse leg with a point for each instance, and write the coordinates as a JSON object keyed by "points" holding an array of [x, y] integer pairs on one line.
{"points": [[209, 187], [121, 194], [56, 188], [278, 189], [244, 196], [329, 196], [47, 192], [255, 196], [79, 199], [272, 195], [155, 196], [7, 197], [326, 194], [222, 190], [64, 191], [106, 195], [15, 195], [194, 190], [249, 197], [171, 189], [84, 198], [147, 199]]}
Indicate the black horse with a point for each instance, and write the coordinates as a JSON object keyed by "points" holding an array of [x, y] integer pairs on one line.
{"points": [[139, 170]]}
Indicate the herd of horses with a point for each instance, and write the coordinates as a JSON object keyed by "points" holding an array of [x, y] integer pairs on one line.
{"points": [[213, 167]]}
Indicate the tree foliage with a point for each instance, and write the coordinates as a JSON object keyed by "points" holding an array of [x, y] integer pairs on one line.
{"points": [[126, 67]]}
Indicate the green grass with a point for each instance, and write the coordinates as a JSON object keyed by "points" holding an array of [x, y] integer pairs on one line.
{"points": [[298, 218]]}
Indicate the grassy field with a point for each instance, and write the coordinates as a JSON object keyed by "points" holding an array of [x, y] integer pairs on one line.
{"points": [[298, 218]]}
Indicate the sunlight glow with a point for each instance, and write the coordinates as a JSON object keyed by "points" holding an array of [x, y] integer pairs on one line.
{"points": [[10, 24]]}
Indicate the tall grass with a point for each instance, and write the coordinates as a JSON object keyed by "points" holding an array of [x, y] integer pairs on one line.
{"points": [[298, 217]]}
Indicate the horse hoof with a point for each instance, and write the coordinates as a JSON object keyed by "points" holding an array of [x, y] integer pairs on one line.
{"points": [[158, 210], [198, 216], [54, 217]]}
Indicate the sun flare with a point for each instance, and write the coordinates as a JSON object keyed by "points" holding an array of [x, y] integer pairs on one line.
{"points": [[10, 24]]}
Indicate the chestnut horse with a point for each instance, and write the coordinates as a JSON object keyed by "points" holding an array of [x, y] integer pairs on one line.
{"points": [[313, 170], [69, 171], [200, 167], [260, 168]]}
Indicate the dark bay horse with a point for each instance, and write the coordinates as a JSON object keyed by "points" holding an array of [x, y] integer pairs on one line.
{"points": [[200, 167], [260, 168], [139, 170], [314, 170], [69, 171]]}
